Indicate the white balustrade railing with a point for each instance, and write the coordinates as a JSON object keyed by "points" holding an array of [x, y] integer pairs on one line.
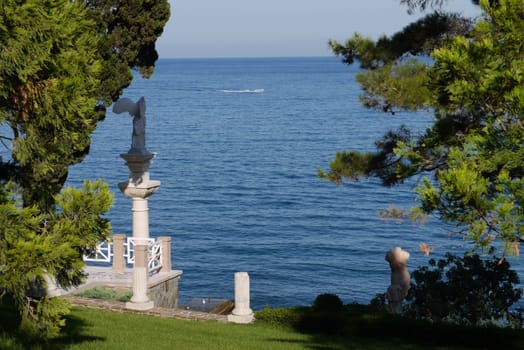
{"points": [[155, 257], [154, 248], [104, 252], [129, 247]]}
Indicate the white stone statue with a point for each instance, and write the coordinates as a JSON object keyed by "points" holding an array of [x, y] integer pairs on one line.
{"points": [[138, 111], [400, 278]]}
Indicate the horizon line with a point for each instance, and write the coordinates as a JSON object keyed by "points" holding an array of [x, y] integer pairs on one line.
{"points": [[242, 57]]}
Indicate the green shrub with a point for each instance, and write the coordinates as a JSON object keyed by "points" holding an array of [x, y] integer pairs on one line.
{"points": [[280, 317], [328, 303], [106, 293], [466, 290], [327, 316], [46, 318], [378, 303]]}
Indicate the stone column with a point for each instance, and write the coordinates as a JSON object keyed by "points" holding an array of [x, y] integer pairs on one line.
{"points": [[166, 253], [140, 300], [140, 217], [119, 262], [242, 312]]}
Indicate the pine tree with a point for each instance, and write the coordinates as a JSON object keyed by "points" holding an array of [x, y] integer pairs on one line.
{"points": [[54, 74], [61, 63], [50, 71], [472, 154]]}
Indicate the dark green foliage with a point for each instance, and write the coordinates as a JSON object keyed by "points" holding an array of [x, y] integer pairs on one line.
{"points": [[131, 29], [61, 63], [403, 82], [37, 247], [327, 315], [465, 290], [422, 5], [392, 168], [281, 317], [472, 153], [49, 76], [328, 303], [419, 38], [54, 74]]}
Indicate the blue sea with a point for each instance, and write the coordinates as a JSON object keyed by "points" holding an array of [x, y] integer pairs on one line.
{"points": [[239, 187]]}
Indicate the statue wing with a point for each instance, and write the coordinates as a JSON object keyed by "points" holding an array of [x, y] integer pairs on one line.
{"points": [[125, 105]]}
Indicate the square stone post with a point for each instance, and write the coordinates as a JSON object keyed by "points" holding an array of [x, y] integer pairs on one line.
{"points": [[140, 300], [165, 244], [119, 262]]}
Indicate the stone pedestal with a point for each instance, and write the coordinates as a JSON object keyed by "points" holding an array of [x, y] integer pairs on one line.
{"points": [[242, 312], [140, 300]]}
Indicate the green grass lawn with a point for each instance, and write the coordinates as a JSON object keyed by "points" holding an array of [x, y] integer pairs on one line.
{"points": [[100, 330], [274, 329]]}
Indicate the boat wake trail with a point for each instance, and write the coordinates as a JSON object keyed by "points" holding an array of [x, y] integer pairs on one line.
{"points": [[255, 91]]}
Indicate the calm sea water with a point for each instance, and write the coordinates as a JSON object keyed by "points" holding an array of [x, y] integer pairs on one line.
{"points": [[239, 187]]}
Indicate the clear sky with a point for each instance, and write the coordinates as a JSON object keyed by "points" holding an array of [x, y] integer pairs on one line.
{"points": [[279, 28]]}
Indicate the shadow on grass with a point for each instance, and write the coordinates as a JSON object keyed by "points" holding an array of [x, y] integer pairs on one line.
{"points": [[361, 326], [325, 342], [10, 338]]}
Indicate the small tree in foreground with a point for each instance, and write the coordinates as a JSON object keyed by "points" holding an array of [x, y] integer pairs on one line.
{"points": [[38, 248], [466, 290]]}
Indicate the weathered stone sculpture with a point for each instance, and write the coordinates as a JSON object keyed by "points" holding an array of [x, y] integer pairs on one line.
{"points": [[138, 111], [400, 278]]}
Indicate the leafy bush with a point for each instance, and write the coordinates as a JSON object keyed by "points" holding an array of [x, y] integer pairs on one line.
{"points": [[281, 317], [327, 302], [327, 315], [46, 318], [378, 303], [466, 290]]}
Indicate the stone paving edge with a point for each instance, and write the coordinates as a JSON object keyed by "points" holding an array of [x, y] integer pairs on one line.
{"points": [[118, 306]]}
